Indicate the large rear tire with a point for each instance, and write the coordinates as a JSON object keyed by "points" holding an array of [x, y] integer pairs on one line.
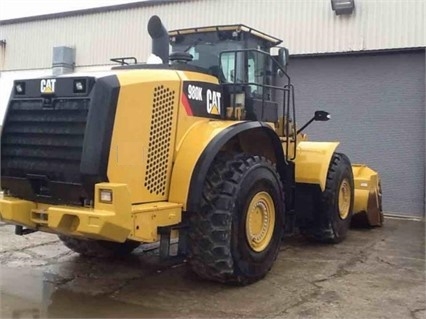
{"points": [[333, 218], [235, 237], [98, 248]]}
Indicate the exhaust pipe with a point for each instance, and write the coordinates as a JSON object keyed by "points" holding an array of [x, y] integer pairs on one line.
{"points": [[160, 38]]}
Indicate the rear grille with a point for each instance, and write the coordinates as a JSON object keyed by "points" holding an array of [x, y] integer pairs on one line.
{"points": [[47, 140], [159, 140]]}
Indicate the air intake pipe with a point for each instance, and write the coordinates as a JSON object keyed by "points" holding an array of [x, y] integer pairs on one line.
{"points": [[160, 38]]}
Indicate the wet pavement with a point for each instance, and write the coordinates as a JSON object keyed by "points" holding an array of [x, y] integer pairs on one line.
{"points": [[376, 273]]}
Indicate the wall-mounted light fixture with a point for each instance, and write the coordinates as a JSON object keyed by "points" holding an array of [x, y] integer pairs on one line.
{"points": [[3, 42], [343, 6]]}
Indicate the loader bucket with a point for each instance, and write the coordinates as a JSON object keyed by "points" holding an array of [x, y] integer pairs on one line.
{"points": [[368, 197]]}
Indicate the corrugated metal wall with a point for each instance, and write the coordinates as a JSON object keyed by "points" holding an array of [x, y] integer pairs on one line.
{"points": [[377, 107], [307, 26]]}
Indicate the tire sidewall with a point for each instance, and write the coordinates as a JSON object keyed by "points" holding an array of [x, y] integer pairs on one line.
{"points": [[259, 177], [340, 226]]}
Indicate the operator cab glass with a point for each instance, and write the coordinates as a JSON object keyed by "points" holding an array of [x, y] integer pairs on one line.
{"points": [[208, 44]]}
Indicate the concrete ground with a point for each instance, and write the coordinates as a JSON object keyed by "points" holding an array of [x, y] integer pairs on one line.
{"points": [[376, 273]]}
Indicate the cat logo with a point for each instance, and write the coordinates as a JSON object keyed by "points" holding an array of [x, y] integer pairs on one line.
{"points": [[213, 102], [47, 86]]}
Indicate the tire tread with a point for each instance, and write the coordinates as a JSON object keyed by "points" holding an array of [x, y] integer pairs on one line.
{"points": [[323, 230], [210, 253]]}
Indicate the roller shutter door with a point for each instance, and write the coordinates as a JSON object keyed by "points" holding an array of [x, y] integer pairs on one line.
{"points": [[377, 106]]}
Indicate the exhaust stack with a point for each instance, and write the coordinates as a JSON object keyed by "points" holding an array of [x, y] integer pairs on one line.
{"points": [[160, 38]]}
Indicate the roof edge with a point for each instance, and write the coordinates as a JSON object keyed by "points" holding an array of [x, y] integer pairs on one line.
{"points": [[241, 27], [117, 7]]}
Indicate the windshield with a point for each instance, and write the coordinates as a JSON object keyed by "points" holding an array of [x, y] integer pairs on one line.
{"points": [[206, 54]]}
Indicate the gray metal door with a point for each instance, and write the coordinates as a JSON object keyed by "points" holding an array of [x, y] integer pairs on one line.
{"points": [[377, 106]]}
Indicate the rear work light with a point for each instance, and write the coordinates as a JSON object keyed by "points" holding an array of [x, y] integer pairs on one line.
{"points": [[79, 86], [105, 196], [20, 88]]}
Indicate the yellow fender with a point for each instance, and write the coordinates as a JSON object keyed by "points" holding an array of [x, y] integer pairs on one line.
{"points": [[197, 150], [187, 154], [312, 162]]}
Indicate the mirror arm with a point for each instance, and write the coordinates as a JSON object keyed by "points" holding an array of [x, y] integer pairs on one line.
{"points": [[304, 126]]}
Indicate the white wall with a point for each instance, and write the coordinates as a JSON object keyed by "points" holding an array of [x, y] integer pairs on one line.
{"points": [[306, 26]]}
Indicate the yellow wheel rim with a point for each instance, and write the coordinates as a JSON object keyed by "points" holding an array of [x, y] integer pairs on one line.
{"points": [[260, 221], [344, 199]]}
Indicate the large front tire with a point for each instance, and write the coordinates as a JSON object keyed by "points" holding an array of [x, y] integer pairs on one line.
{"points": [[333, 217], [236, 235], [98, 248]]}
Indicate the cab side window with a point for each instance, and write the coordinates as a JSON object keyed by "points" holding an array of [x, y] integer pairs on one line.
{"points": [[256, 72], [232, 65]]}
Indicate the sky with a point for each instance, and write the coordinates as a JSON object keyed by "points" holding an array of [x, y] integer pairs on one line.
{"points": [[11, 9]]}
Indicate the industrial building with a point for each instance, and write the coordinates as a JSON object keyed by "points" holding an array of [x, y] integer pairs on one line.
{"points": [[365, 64]]}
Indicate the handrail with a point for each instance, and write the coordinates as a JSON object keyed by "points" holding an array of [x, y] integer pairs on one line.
{"points": [[123, 60], [287, 89]]}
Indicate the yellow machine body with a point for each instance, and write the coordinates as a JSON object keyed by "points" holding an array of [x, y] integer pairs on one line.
{"points": [[152, 134], [155, 149]]}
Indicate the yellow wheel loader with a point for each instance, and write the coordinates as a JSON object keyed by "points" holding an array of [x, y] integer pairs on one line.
{"points": [[200, 146]]}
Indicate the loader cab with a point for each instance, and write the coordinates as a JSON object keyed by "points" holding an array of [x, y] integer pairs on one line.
{"points": [[254, 82], [210, 48]]}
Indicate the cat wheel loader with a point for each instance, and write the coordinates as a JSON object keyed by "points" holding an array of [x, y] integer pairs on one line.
{"points": [[200, 146]]}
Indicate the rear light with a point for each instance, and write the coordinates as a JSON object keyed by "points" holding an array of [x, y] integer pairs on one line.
{"points": [[105, 196], [20, 88], [79, 86]]}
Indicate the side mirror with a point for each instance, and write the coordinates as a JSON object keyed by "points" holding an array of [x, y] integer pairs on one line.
{"points": [[283, 56], [318, 116], [321, 116]]}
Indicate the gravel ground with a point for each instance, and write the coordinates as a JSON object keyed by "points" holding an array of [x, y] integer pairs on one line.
{"points": [[375, 273]]}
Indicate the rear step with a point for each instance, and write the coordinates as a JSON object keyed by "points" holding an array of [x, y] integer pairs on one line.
{"points": [[21, 231]]}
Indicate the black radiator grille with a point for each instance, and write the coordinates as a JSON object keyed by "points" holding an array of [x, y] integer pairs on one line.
{"points": [[44, 139]]}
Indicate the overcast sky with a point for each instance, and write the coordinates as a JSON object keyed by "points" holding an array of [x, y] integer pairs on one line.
{"points": [[10, 9]]}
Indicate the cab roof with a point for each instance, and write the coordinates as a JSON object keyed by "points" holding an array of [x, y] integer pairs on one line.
{"points": [[231, 27]]}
